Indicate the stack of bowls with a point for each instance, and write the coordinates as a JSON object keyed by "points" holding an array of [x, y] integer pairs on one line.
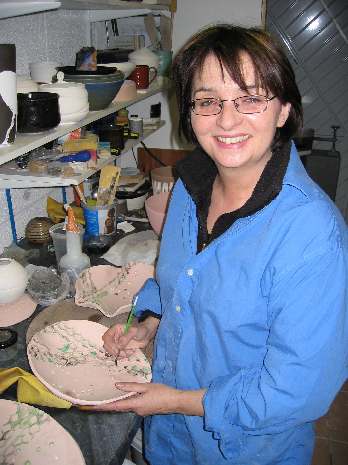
{"points": [[102, 85]]}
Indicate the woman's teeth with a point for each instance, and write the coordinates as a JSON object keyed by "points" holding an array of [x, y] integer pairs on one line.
{"points": [[232, 140]]}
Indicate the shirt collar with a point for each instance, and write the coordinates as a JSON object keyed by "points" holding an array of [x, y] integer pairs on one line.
{"points": [[197, 171]]}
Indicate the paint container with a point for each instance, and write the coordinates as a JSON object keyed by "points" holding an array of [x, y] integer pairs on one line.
{"points": [[100, 220], [8, 94], [136, 124]]}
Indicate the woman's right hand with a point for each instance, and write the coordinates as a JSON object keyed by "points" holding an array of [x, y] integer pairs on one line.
{"points": [[139, 336]]}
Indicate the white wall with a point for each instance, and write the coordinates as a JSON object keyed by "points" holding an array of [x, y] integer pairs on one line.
{"points": [[54, 36], [58, 35], [192, 15]]}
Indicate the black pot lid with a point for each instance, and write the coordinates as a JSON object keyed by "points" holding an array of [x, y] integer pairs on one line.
{"points": [[72, 71]]}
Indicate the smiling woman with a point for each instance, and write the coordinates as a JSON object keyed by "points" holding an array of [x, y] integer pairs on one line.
{"points": [[250, 329]]}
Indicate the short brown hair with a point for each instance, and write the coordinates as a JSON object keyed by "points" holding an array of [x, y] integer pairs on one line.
{"points": [[273, 71]]}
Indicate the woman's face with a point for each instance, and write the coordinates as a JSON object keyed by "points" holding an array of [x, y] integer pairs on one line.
{"points": [[232, 139]]}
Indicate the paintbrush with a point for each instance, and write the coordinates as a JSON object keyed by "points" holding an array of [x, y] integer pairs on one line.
{"points": [[130, 316], [129, 320]]}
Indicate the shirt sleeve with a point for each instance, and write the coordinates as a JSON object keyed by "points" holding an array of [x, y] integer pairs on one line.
{"points": [[149, 299], [306, 359]]}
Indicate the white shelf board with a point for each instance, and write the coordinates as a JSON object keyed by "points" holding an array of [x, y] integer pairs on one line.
{"points": [[110, 5], [12, 177], [24, 143], [8, 9]]}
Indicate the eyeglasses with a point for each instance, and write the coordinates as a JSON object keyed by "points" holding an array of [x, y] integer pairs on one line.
{"points": [[247, 105]]}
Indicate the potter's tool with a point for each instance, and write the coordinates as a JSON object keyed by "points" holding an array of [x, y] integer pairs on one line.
{"points": [[107, 34], [80, 194], [113, 187]]}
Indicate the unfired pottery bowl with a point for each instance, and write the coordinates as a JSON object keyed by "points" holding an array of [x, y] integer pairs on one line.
{"points": [[13, 280]]}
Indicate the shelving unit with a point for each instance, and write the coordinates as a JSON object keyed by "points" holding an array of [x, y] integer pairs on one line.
{"points": [[13, 177], [24, 143]]}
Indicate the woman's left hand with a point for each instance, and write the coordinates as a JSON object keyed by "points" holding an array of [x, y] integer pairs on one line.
{"points": [[151, 399]]}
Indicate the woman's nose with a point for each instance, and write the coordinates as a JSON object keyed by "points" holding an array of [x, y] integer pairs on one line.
{"points": [[229, 116]]}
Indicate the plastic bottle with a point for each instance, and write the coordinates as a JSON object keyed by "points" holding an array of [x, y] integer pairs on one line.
{"points": [[74, 261]]}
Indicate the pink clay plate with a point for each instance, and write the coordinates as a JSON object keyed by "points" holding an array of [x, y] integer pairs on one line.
{"points": [[69, 359], [110, 289], [30, 436], [17, 311]]}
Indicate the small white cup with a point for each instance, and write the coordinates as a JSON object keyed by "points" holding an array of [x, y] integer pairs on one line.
{"points": [[43, 71]]}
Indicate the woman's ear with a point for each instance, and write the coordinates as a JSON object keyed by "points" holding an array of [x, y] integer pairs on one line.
{"points": [[283, 115]]}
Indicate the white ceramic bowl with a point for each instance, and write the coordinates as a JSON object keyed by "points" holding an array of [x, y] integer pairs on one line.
{"points": [[13, 280], [126, 67], [71, 118], [73, 100]]}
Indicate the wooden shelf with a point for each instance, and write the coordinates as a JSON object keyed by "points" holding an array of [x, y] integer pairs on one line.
{"points": [[13, 177], [24, 143]]}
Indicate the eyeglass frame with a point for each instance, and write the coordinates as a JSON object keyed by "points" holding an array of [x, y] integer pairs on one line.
{"points": [[221, 104]]}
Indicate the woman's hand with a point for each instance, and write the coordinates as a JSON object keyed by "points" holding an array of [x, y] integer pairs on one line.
{"points": [[138, 336], [151, 399]]}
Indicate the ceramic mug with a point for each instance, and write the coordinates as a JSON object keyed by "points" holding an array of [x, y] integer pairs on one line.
{"points": [[43, 71], [141, 76]]}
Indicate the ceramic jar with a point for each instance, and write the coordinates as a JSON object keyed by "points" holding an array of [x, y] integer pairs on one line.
{"points": [[13, 280], [73, 99], [37, 112]]}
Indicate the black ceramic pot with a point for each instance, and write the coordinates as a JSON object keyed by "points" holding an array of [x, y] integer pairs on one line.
{"points": [[37, 112]]}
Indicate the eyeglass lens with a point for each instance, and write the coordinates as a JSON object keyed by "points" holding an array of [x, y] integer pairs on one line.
{"points": [[247, 104]]}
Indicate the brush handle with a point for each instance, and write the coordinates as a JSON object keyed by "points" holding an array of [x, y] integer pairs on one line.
{"points": [[130, 316]]}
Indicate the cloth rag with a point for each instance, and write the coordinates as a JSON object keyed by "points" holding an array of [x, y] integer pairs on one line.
{"points": [[29, 389]]}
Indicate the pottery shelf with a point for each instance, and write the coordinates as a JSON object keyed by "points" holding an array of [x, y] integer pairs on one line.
{"points": [[116, 5], [24, 143], [13, 177]]}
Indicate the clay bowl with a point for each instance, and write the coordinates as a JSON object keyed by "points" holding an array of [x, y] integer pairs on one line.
{"points": [[156, 210]]}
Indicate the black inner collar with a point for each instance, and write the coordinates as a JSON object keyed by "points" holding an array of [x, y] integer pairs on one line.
{"points": [[198, 172]]}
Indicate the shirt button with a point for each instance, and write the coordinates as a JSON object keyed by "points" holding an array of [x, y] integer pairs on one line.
{"points": [[178, 308], [190, 272]]}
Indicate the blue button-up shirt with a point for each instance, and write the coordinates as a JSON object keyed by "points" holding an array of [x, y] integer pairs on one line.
{"points": [[259, 319]]}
